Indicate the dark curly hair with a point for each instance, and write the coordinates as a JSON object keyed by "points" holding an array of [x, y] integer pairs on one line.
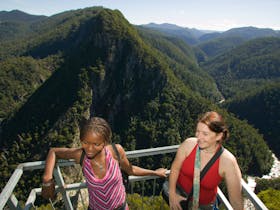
{"points": [[97, 125]]}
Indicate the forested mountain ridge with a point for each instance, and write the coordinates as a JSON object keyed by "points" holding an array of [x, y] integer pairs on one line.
{"points": [[218, 43], [249, 78], [260, 108], [44, 45], [190, 36], [218, 46], [249, 33], [246, 33], [16, 24], [17, 85], [19, 16], [248, 66], [104, 67], [182, 60], [47, 36]]}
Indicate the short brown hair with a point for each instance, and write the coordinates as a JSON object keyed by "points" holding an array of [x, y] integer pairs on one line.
{"points": [[215, 123]]}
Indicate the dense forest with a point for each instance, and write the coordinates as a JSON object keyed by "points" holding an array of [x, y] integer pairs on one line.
{"points": [[249, 78], [150, 86]]}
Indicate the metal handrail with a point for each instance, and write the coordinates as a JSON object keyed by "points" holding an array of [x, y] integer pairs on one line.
{"points": [[8, 198]]}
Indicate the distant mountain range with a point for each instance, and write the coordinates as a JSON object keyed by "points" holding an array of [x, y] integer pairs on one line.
{"points": [[212, 42], [196, 36], [191, 35], [17, 15]]}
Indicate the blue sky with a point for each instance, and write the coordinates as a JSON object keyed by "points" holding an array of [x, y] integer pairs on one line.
{"points": [[201, 14]]}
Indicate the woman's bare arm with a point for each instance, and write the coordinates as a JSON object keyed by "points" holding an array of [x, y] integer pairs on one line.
{"points": [[59, 153], [232, 175], [136, 170]]}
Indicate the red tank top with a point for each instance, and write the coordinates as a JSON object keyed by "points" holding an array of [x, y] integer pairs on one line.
{"points": [[209, 183]]}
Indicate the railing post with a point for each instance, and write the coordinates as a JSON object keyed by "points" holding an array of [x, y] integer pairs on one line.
{"points": [[154, 188], [13, 203], [258, 204], [143, 188], [224, 199], [6, 195], [59, 180]]}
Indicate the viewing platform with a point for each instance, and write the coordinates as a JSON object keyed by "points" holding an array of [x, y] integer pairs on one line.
{"points": [[8, 199]]}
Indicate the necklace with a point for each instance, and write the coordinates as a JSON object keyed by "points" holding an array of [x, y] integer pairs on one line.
{"points": [[101, 168], [206, 151], [209, 151]]}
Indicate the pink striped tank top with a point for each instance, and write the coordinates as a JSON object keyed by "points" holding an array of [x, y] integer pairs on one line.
{"points": [[108, 192]]}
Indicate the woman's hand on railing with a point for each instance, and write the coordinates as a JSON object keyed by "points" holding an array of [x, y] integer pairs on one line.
{"points": [[48, 189], [161, 172]]}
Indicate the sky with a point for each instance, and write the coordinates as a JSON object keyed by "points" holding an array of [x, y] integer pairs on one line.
{"points": [[219, 15]]}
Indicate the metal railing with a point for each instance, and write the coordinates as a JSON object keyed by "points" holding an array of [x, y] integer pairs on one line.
{"points": [[8, 198]]}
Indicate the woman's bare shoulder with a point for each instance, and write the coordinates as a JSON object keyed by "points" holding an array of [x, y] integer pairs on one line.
{"points": [[189, 142], [187, 146], [192, 140], [228, 162], [227, 156], [118, 147]]}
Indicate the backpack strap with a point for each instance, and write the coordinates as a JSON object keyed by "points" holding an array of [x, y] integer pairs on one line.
{"points": [[82, 157], [125, 176], [208, 165], [116, 152], [211, 162]]}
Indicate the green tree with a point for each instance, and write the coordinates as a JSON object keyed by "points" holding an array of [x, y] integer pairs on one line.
{"points": [[271, 198]]}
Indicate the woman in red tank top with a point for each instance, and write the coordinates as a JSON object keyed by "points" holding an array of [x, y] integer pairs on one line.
{"points": [[211, 131]]}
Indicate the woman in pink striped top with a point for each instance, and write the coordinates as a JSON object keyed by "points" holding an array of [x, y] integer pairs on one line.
{"points": [[100, 166]]}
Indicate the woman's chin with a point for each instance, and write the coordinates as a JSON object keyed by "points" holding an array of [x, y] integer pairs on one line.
{"points": [[90, 156], [201, 145]]}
